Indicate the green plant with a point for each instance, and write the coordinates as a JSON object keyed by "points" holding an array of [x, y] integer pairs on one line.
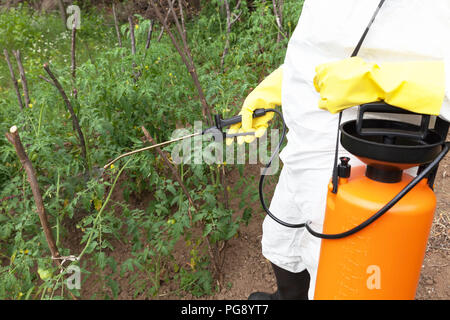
{"points": [[145, 210]]}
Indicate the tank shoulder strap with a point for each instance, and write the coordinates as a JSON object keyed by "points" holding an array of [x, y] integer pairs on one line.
{"points": [[354, 54], [361, 40]]}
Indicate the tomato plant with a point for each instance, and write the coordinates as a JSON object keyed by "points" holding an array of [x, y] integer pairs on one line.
{"points": [[135, 204]]}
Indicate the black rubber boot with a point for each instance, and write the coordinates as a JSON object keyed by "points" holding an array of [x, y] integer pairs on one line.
{"points": [[264, 296], [291, 286]]}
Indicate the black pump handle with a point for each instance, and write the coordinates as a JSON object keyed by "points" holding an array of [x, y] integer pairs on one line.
{"points": [[382, 107]]}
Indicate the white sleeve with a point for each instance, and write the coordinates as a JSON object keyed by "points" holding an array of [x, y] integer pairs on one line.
{"points": [[445, 111]]}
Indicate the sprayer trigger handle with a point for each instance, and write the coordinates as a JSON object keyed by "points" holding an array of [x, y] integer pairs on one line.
{"points": [[223, 123]]}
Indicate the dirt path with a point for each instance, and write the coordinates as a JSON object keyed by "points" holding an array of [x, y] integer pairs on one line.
{"points": [[435, 278]]}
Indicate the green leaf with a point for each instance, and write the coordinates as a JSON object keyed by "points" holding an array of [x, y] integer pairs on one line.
{"points": [[114, 287], [207, 230], [246, 215], [91, 246], [171, 189]]}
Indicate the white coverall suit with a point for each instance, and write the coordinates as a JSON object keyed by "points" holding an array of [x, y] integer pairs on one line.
{"points": [[328, 30]]}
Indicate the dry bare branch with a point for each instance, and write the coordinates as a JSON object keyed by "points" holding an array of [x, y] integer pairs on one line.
{"points": [[133, 48], [8, 4], [149, 35], [73, 56], [165, 21], [278, 12], [22, 77], [62, 12], [181, 32], [116, 25], [183, 26], [14, 138], [75, 123], [185, 56], [46, 80], [13, 78], [132, 38], [230, 21]]}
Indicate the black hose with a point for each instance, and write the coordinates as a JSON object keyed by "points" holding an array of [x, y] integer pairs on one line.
{"points": [[263, 175], [389, 205], [364, 224]]}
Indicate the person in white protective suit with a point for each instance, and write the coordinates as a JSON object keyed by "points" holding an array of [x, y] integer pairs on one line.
{"points": [[328, 30]]}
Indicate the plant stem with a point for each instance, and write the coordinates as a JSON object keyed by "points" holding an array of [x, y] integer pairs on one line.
{"points": [[116, 25], [13, 78], [278, 11], [62, 12], [102, 209], [46, 80], [57, 213], [75, 123], [22, 77], [186, 56], [73, 56], [230, 23], [173, 169], [14, 138], [133, 40], [149, 35], [165, 21], [40, 120]]}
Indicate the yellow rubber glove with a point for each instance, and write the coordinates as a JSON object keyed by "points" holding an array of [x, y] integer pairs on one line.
{"points": [[266, 95], [415, 86]]}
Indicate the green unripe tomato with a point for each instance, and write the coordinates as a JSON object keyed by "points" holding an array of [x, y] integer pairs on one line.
{"points": [[45, 274]]}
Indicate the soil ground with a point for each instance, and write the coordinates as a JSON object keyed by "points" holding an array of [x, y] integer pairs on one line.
{"points": [[246, 270]]}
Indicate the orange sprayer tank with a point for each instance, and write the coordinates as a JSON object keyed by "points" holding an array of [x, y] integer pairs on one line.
{"points": [[382, 261], [383, 258]]}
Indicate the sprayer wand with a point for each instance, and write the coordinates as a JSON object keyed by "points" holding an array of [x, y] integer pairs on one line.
{"points": [[150, 147], [220, 125]]}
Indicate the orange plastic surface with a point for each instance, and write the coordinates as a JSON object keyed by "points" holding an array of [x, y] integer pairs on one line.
{"points": [[382, 261]]}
